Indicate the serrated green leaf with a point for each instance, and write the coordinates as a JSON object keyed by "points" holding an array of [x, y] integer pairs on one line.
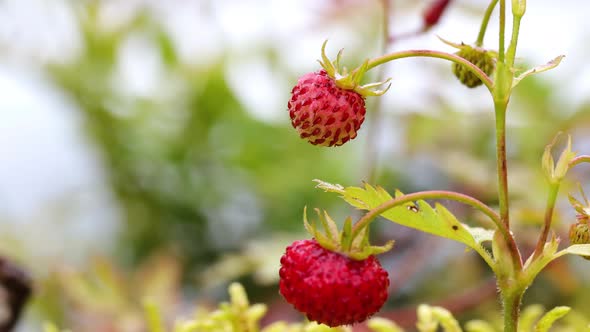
{"points": [[419, 215], [549, 318]]}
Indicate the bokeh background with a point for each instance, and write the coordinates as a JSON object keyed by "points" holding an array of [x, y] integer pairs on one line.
{"points": [[146, 150]]}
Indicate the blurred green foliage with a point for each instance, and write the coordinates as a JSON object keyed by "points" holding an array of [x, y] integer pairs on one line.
{"points": [[181, 162]]}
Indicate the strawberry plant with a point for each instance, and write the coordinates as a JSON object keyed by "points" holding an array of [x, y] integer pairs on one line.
{"points": [[327, 108]]}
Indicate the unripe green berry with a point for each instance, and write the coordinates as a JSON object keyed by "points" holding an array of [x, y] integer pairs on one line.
{"points": [[580, 234], [479, 57]]}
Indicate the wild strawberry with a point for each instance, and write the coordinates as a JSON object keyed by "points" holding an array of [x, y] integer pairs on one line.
{"points": [[580, 234], [329, 287], [327, 107], [482, 58], [334, 278], [580, 231], [479, 57], [323, 113]]}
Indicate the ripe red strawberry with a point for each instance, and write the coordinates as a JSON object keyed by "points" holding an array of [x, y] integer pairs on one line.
{"points": [[328, 107], [331, 288], [323, 113]]}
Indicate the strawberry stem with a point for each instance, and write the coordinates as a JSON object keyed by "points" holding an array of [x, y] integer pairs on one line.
{"points": [[431, 194], [502, 31], [484, 23], [579, 160], [553, 190], [433, 54]]}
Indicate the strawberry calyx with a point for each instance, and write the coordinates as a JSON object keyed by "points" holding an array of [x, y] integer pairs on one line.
{"points": [[583, 209], [355, 246], [466, 47], [579, 232], [480, 57], [351, 80]]}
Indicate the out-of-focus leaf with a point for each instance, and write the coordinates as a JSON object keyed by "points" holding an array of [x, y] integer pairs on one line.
{"points": [[550, 317], [529, 317], [379, 324], [479, 326]]}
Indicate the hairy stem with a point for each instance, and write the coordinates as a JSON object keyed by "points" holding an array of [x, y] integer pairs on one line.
{"points": [[484, 23], [433, 54], [553, 190], [432, 194], [511, 309], [503, 183]]}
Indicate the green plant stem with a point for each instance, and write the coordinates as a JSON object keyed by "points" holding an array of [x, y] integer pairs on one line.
{"points": [[484, 23], [579, 160], [431, 194], [500, 108], [433, 54], [511, 53], [502, 163], [502, 30], [511, 308], [553, 190]]}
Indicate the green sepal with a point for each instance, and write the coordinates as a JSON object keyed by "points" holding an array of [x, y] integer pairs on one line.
{"points": [[577, 205], [326, 63], [361, 239], [324, 240], [355, 246], [329, 225], [351, 80], [532, 267], [555, 172], [346, 238], [582, 208]]}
